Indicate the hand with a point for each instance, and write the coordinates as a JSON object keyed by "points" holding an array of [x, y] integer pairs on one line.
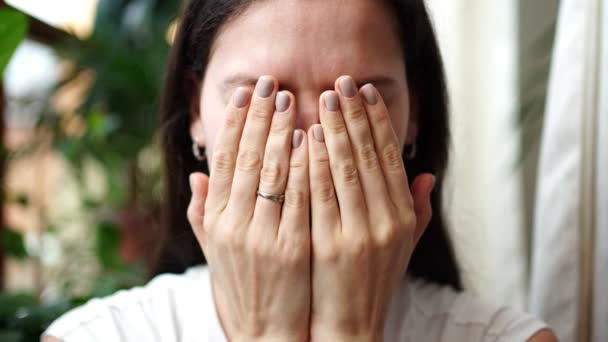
{"points": [[258, 250], [365, 221]]}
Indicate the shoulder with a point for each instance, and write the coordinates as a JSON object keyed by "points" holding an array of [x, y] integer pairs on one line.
{"points": [[439, 313], [159, 311]]}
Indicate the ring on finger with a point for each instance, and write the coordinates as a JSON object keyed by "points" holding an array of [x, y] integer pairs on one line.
{"points": [[275, 198]]}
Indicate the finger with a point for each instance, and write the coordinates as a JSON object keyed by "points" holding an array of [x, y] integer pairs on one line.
{"points": [[387, 148], [341, 161], [364, 150], [276, 161], [226, 147], [295, 217], [199, 186], [324, 205], [422, 188], [251, 148]]}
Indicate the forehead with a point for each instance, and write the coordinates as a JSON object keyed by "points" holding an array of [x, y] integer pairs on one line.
{"points": [[309, 41]]}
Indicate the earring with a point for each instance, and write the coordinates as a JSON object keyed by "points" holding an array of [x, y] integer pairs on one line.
{"points": [[198, 152], [410, 151]]}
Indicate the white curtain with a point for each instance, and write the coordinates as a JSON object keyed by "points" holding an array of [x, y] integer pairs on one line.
{"points": [[570, 258], [478, 39], [600, 295]]}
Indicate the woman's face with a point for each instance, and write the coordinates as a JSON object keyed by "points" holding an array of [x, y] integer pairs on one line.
{"points": [[306, 45]]}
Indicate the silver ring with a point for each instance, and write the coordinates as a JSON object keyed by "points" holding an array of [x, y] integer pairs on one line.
{"points": [[275, 198]]}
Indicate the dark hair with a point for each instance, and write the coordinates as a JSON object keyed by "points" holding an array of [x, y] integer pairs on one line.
{"points": [[433, 259]]}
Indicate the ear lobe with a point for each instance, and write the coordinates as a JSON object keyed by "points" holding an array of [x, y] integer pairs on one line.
{"points": [[196, 125]]}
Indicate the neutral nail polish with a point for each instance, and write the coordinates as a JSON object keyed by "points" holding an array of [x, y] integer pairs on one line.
{"points": [[369, 94], [331, 101], [282, 101], [348, 87], [319, 135], [240, 97], [298, 137], [265, 86]]}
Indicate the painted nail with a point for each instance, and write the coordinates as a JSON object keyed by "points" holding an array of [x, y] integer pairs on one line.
{"points": [[348, 87], [369, 94], [318, 131], [331, 101], [240, 97], [265, 86], [282, 101], [298, 137]]}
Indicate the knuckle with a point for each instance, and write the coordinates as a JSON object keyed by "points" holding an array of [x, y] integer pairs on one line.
{"points": [[321, 158], [329, 255], [367, 157], [391, 156], [249, 160], [233, 119], [280, 125], [348, 172], [271, 173], [325, 191], [258, 113], [389, 236], [297, 166], [409, 222], [294, 255], [356, 113], [295, 199], [358, 247], [335, 125], [379, 118], [223, 161]]}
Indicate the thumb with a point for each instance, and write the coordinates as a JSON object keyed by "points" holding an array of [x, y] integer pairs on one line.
{"points": [[421, 193], [199, 186]]}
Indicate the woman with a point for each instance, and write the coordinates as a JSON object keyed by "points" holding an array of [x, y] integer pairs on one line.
{"points": [[321, 190]]}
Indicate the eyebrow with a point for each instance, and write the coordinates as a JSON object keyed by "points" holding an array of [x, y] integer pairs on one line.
{"points": [[240, 79]]}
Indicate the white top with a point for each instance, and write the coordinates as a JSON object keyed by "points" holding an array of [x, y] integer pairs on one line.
{"points": [[173, 308]]}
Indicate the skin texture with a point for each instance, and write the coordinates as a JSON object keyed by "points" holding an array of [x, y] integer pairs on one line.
{"points": [[306, 53], [324, 265], [288, 46]]}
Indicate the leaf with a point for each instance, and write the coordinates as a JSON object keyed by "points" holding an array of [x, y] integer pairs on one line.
{"points": [[11, 336], [11, 303], [13, 27], [12, 243], [108, 242]]}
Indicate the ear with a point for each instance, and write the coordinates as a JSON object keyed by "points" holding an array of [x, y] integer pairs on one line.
{"points": [[196, 124]]}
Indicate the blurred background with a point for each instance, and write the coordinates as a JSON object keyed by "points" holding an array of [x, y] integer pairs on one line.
{"points": [[526, 193]]}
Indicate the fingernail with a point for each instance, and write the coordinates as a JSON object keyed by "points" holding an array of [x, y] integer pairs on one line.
{"points": [[282, 101], [331, 101], [433, 185], [318, 131], [240, 97], [369, 94], [265, 86], [348, 86], [298, 137]]}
